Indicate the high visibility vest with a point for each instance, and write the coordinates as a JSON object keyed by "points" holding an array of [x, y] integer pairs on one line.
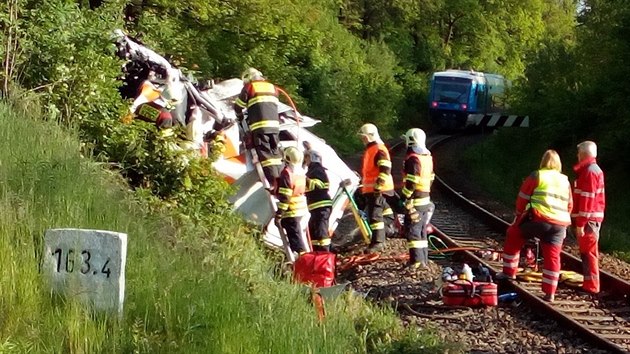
{"points": [[153, 113], [551, 197], [423, 180], [297, 199], [371, 172]]}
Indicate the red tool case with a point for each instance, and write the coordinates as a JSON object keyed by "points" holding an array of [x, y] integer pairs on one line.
{"points": [[466, 293], [316, 268]]}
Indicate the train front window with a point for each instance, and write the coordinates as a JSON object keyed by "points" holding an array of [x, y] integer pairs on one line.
{"points": [[451, 90]]}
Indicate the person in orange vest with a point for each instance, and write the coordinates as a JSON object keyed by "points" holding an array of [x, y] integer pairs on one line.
{"points": [[415, 196], [543, 208], [377, 183], [260, 98], [588, 212], [318, 199], [291, 198]]}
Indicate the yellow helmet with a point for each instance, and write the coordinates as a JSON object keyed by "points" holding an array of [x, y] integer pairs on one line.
{"points": [[251, 74], [293, 155], [370, 131], [415, 137]]}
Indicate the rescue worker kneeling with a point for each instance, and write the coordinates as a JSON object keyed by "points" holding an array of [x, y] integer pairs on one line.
{"points": [[318, 199], [543, 208], [291, 198], [417, 178]]}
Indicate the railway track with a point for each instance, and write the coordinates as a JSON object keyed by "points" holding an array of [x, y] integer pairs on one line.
{"points": [[603, 321]]}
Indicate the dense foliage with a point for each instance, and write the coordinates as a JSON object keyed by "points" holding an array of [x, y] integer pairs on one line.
{"points": [[574, 89], [343, 61]]}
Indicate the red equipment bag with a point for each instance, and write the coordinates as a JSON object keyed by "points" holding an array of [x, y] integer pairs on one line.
{"points": [[317, 268], [466, 293]]}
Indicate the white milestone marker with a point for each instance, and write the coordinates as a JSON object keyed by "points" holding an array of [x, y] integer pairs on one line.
{"points": [[87, 265]]}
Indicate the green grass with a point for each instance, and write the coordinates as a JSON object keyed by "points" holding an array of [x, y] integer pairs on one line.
{"points": [[501, 163], [191, 288]]}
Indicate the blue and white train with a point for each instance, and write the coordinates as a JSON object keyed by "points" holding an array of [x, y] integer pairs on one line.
{"points": [[456, 94]]}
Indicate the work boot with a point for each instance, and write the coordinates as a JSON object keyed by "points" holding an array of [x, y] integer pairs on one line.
{"points": [[592, 295], [374, 248], [503, 276], [549, 297], [414, 266]]}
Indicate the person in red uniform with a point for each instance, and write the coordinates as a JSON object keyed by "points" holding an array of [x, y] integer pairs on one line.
{"points": [[377, 183], [291, 199], [543, 208], [260, 98], [417, 178], [588, 212], [318, 200]]}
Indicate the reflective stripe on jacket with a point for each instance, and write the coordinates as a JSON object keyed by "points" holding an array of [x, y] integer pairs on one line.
{"points": [[376, 170], [261, 100], [291, 189], [417, 177], [588, 194], [551, 199], [154, 113], [317, 185]]}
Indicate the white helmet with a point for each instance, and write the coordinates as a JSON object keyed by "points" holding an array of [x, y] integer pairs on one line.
{"points": [[251, 74], [293, 155], [370, 131], [314, 156], [415, 137]]}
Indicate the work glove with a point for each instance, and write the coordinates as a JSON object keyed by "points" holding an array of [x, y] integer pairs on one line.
{"points": [[402, 202], [227, 122], [248, 140], [209, 136], [127, 119]]}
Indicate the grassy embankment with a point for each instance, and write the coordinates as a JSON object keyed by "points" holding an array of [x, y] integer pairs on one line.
{"points": [[501, 162], [189, 289]]}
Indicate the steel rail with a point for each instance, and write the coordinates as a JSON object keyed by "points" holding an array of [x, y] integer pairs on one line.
{"points": [[594, 333]]}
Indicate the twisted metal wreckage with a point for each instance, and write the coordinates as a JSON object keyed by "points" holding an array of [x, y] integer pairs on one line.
{"points": [[206, 109]]}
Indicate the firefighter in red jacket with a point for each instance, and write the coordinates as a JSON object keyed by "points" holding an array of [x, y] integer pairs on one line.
{"points": [[588, 211], [260, 98], [417, 178], [318, 199], [291, 198], [543, 208], [377, 183]]}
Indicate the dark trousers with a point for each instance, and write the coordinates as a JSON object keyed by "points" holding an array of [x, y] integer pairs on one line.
{"points": [[416, 233], [374, 208], [269, 155], [291, 227], [318, 228]]}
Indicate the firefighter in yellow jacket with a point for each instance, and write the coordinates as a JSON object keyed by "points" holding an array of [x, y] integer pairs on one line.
{"points": [[291, 198], [377, 183], [415, 195]]}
